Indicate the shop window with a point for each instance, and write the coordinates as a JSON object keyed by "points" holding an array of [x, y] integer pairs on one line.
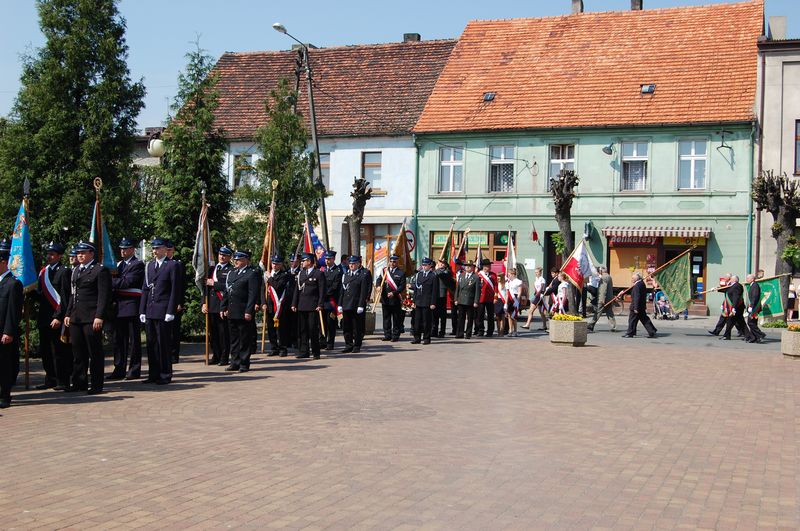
{"points": [[634, 166], [501, 169], [562, 157], [325, 169], [371, 168], [451, 169], [243, 170], [692, 160]]}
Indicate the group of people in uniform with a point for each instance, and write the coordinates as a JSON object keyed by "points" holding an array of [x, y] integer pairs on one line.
{"points": [[738, 313]]}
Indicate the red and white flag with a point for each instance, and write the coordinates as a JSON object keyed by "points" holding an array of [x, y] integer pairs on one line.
{"points": [[534, 234], [579, 265]]}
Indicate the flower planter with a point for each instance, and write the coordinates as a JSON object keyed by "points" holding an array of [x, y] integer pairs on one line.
{"points": [[369, 325], [790, 343], [568, 332]]}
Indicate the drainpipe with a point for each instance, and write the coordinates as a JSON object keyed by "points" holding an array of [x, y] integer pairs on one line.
{"points": [[760, 153], [414, 216], [753, 134]]}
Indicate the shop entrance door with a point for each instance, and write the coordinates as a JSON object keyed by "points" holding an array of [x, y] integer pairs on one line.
{"points": [[697, 265], [553, 259]]}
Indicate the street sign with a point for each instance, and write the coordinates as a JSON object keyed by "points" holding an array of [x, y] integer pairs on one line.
{"points": [[411, 240]]}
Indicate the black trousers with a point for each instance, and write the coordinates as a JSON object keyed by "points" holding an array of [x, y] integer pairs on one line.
{"points": [[640, 317], [454, 319], [485, 311], [423, 322], [9, 368], [241, 342], [175, 337], [752, 326], [56, 356], [737, 321], [253, 334], [159, 350], [87, 350], [466, 314], [720, 325], [220, 338], [392, 320], [440, 317], [353, 326], [47, 353], [127, 346], [309, 332], [331, 324]]}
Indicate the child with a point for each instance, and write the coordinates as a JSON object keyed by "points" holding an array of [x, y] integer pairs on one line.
{"points": [[562, 305], [500, 304], [539, 300], [514, 286]]}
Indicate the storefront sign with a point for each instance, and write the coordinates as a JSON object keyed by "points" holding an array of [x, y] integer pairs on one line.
{"points": [[633, 241], [672, 240], [475, 238]]}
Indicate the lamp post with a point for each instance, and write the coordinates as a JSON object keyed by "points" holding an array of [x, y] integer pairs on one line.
{"points": [[317, 174]]}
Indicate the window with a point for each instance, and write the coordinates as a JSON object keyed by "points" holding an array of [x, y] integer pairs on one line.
{"points": [[634, 166], [243, 171], [691, 164], [451, 169], [325, 169], [562, 157], [797, 147], [371, 168], [501, 169]]}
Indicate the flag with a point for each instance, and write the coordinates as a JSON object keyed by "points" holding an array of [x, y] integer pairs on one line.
{"points": [[579, 265], [464, 249], [311, 244], [676, 282], [101, 240], [269, 248], [771, 301], [202, 256], [447, 249], [21, 257], [534, 234], [400, 249], [478, 256], [510, 261]]}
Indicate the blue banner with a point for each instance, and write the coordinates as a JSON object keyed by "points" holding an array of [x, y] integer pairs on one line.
{"points": [[21, 259], [105, 251]]}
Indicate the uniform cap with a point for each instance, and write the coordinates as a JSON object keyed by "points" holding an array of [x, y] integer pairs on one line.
{"points": [[241, 254], [427, 261], [73, 252], [157, 242], [227, 251], [354, 259], [85, 246], [330, 254], [468, 263], [168, 244], [277, 259], [54, 247], [5, 248], [394, 257], [125, 243], [308, 256]]}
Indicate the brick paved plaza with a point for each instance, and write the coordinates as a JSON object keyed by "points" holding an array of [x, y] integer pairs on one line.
{"points": [[492, 434]]}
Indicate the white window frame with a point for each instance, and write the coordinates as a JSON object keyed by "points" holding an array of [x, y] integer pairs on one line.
{"points": [[561, 162], [693, 158], [502, 161], [634, 158], [365, 165], [325, 170], [450, 165], [247, 176]]}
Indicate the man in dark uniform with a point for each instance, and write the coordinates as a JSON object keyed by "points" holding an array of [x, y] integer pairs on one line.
{"points": [[54, 293], [754, 333], [215, 291], [638, 308], [425, 286], [356, 289], [454, 309], [309, 297], [157, 312], [238, 306], [735, 297], [88, 308], [127, 287], [175, 326], [277, 308], [291, 317], [394, 285], [10, 316], [344, 264], [486, 306], [447, 286], [333, 286], [467, 299], [724, 283]]}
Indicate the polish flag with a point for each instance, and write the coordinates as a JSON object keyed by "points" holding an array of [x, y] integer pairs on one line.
{"points": [[579, 265]]}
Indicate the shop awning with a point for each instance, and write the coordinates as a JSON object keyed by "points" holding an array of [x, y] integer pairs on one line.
{"points": [[657, 232]]}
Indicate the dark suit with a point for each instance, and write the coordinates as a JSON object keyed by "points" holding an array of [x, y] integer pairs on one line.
{"points": [[309, 295], [333, 286], [91, 299], [175, 325], [468, 294], [735, 297], [425, 286], [279, 335], [56, 355], [754, 296], [220, 336], [10, 316], [447, 286], [127, 329], [356, 288], [159, 298], [240, 299], [638, 310], [392, 307]]}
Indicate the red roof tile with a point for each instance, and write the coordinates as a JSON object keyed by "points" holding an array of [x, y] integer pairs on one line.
{"points": [[585, 70], [364, 90]]}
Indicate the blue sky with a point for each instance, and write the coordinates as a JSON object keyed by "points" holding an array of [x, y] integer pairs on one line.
{"points": [[161, 32]]}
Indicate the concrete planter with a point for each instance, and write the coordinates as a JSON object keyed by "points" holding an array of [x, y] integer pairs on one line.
{"points": [[568, 332], [369, 326], [790, 343]]}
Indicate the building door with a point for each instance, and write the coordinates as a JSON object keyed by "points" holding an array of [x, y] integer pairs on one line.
{"points": [[697, 265], [552, 258]]}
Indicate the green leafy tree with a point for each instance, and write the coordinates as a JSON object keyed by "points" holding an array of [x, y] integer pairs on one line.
{"points": [[73, 120], [282, 144], [195, 151]]}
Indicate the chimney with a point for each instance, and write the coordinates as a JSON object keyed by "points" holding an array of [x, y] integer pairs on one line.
{"points": [[411, 37], [636, 5], [777, 28], [577, 6]]}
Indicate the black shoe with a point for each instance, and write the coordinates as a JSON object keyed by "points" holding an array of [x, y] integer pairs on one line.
{"points": [[213, 361], [415, 341], [273, 353], [386, 339], [330, 347], [426, 341], [133, 376], [459, 337], [316, 356], [149, 381], [244, 369], [347, 350], [222, 363], [4, 403], [303, 356], [42, 387], [725, 338], [590, 328], [283, 354], [60, 387], [440, 335], [163, 382], [114, 376], [628, 335], [395, 339], [75, 389], [94, 391], [651, 336], [713, 333], [467, 337], [232, 368]]}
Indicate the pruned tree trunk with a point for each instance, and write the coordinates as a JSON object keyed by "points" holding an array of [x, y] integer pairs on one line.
{"points": [[362, 192], [562, 188]]}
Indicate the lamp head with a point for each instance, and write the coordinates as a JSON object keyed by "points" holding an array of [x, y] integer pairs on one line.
{"points": [[279, 27], [608, 149]]}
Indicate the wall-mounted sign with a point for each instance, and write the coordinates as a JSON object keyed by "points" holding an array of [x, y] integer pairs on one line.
{"points": [[411, 240], [672, 240], [633, 241], [439, 238]]}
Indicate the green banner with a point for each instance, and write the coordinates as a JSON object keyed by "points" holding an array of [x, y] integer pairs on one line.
{"points": [[675, 282], [771, 302]]}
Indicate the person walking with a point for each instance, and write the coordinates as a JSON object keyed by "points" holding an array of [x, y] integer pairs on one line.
{"points": [[638, 308], [605, 293]]}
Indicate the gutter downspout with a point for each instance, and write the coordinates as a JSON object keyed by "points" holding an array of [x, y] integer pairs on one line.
{"points": [[760, 153], [416, 197], [753, 134]]}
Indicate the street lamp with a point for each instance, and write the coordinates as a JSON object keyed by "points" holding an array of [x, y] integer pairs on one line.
{"points": [[280, 28]]}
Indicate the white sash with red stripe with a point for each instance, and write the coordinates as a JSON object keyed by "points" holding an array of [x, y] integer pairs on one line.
{"points": [[515, 300], [276, 301], [391, 282], [48, 290], [130, 292], [488, 280]]}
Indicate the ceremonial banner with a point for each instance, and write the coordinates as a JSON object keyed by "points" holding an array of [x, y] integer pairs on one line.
{"points": [[771, 301], [21, 258], [202, 256], [510, 261], [676, 282], [579, 265], [312, 244], [269, 247], [401, 250], [101, 240]]}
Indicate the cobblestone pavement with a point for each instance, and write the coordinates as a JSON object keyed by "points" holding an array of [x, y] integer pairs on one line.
{"points": [[509, 433]]}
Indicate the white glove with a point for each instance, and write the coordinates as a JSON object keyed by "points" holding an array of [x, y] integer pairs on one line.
{"points": [[340, 309], [360, 309], [142, 318], [169, 318], [733, 311]]}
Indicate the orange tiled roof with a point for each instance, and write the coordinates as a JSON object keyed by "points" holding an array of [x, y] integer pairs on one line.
{"points": [[585, 70], [364, 90]]}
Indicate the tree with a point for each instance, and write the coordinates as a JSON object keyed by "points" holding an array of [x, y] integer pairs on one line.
{"points": [[282, 144], [74, 119], [195, 151], [562, 188], [362, 192], [780, 196]]}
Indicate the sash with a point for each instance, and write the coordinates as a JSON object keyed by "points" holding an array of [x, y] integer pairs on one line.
{"points": [[391, 282], [488, 280], [214, 278], [48, 290], [130, 292], [276, 301], [335, 307], [515, 300], [502, 297]]}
